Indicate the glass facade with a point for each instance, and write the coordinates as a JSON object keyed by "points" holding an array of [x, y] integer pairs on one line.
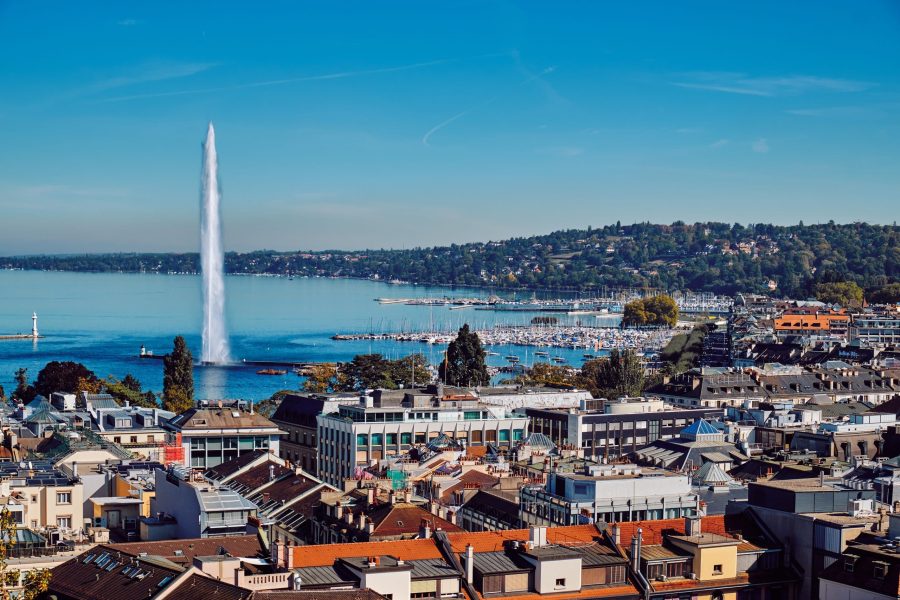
{"points": [[212, 451]]}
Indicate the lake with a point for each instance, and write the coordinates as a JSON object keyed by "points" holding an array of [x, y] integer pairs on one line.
{"points": [[102, 319]]}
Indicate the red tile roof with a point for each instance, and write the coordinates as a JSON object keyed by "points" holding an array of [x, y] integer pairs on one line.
{"points": [[404, 519], [492, 541], [652, 531], [325, 555]]}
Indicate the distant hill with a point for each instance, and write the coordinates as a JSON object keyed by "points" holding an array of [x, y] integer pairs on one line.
{"points": [[714, 257]]}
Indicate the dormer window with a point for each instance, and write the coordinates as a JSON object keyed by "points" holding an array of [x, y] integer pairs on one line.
{"points": [[880, 570], [200, 422], [850, 563]]}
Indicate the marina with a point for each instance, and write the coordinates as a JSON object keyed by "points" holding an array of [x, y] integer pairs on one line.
{"points": [[572, 337]]}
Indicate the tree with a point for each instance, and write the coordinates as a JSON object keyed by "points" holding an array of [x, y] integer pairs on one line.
{"points": [[365, 371], [24, 391], [464, 364], [129, 390], [268, 406], [35, 581], [63, 376], [2, 394], [661, 310], [178, 378], [620, 374], [843, 293], [889, 294], [321, 378], [409, 371]]}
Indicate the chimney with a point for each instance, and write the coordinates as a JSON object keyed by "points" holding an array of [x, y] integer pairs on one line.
{"points": [[289, 555], [278, 554], [451, 516], [537, 536], [407, 496], [361, 522], [470, 563], [692, 526], [370, 496], [74, 470], [616, 534], [636, 550], [392, 495], [271, 472], [425, 529], [433, 507], [339, 510]]}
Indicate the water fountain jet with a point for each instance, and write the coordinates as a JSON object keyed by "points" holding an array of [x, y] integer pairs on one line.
{"points": [[215, 348]]}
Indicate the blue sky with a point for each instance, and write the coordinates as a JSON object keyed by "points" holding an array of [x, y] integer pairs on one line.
{"points": [[396, 124]]}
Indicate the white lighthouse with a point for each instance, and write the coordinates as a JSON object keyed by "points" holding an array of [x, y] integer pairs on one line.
{"points": [[34, 329]]}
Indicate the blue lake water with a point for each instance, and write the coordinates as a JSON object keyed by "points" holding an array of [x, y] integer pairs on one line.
{"points": [[102, 320]]}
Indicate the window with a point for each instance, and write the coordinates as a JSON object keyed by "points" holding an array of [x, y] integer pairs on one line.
{"points": [[150, 439], [377, 439], [391, 439], [561, 582], [717, 569], [881, 570], [850, 563], [504, 435], [362, 439], [64, 497], [64, 522], [117, 439], [134, 439], [406, 438]]}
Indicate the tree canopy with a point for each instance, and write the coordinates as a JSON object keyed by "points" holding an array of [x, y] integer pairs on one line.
{"points": [[465, 364], [64, 376], [620, 374], [661, 310], [844, 293], [178, 378]]}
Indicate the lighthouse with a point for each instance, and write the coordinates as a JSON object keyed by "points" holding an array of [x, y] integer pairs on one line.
{"points": [[34, 329]]}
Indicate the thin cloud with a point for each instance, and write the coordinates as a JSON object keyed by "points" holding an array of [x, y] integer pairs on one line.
{"points": [[743, 84], [275, 82], [760, 146], [719, 144], [127, 22], [833, 111], [561, 151]]}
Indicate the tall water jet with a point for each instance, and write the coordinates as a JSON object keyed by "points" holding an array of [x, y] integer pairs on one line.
{"points": [[212, 258]]}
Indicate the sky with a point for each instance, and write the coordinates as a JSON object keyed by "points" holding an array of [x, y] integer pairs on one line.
{"points": [[350, 125]]}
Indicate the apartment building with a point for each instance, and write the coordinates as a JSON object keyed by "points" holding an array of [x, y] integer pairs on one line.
{"points": [[621, 427], [219, 433], [387, 423], [608, 493]]}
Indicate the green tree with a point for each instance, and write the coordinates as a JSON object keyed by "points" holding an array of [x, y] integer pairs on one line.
{"points": [[409, 371], [178, 378], [843, 293], [35, 581], [464, 364], [268, 406], [365, 371], [129, 390], [889, 294], [63, 376], [620, 374], [24, 391]]}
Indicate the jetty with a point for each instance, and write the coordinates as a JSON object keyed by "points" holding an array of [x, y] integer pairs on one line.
{"points": [[34, 335]]}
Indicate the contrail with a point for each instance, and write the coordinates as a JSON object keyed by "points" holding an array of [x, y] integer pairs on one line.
{"points": [[255, 84], [323, 77], [443, 124], [446, 122]]}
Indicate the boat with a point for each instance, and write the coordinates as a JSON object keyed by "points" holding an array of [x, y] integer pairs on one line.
{"points": [[512, 358], [541, 353], [489, 353], [271, 372], [558, 359], [588, 356]]}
